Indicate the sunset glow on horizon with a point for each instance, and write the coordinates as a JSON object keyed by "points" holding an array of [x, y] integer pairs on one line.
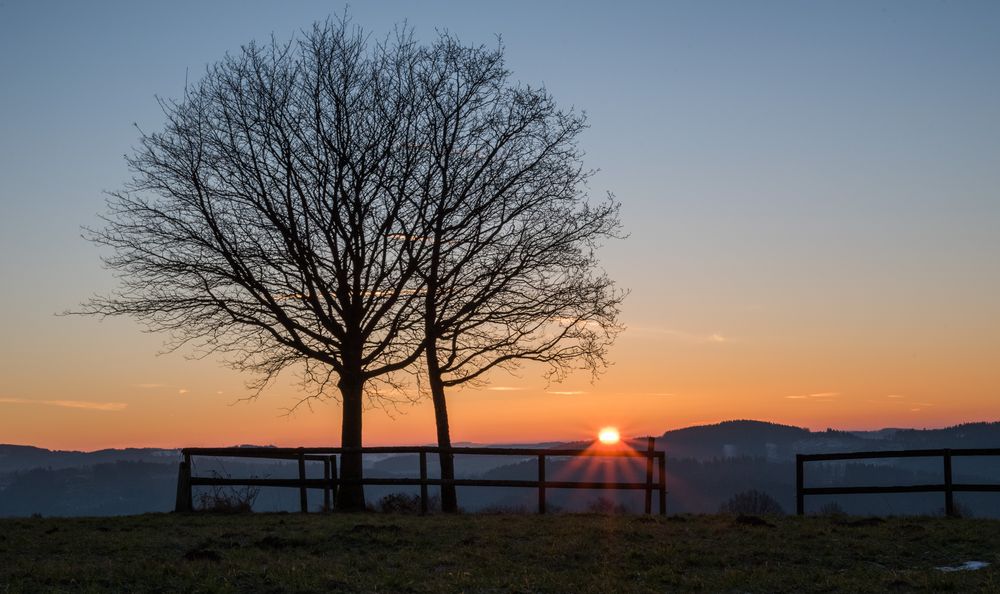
{"points": [[608, 436]]}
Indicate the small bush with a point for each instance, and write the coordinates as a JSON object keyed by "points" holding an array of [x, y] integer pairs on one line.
{"points": [[752, 502], [603, 505], [406, 503], [227, 500], [832, 510]]}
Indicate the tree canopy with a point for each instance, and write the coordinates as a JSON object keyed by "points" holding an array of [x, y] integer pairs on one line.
{"points": [[354, 208]]}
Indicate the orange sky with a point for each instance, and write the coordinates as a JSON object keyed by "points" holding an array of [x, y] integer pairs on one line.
{"points": [[111, 390]]}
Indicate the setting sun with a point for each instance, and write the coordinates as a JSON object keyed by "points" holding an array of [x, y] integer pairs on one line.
{"points": [[608, 435]]}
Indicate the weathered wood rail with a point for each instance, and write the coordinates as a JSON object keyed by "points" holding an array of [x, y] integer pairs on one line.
{"points": [[948, 487], [331, 482]]}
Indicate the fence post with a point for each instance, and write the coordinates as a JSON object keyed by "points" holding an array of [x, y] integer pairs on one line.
{"points": [[423, 482], [541, 483], [334, 480], [949, 494], [650, 444], [303, 498], [326, 485], [663, 484], [183, 501], [800, 504]]}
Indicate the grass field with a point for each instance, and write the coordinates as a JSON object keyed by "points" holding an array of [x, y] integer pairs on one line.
{"points": [[493, 553]]}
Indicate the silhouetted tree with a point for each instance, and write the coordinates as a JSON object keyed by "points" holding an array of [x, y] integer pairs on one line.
{"points": [[347, 207], [510, 273], [264, 222]]}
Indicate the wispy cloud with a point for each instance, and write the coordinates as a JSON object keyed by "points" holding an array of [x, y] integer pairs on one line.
{"points": [[107, 406], [565, 392], [102, 406], [710, 338], [504, 389], [149, 386], [183, 391], [818, 395], [896, 399]]}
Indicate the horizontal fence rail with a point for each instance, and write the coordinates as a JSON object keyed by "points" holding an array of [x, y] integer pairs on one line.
{"points": [[331, 482], [948, 487]]}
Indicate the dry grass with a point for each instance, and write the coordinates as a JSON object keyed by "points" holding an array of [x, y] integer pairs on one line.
{"points": [[493, 553]]}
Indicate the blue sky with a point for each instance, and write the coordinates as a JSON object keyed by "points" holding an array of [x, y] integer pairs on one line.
{"points": [[794, 175]]}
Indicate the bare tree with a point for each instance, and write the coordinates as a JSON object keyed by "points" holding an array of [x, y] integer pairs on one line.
{"points": [[346, 207], [510, 274], [264, 221]]}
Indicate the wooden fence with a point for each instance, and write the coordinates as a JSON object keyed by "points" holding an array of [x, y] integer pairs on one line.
{"points": [[948, 487], [330, 481]]}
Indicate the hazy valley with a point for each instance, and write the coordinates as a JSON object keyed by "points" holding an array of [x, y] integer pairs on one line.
{"points": [[705, 466]]}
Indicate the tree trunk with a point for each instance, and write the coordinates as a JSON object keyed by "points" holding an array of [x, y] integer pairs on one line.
{"points": [[351, 497], [449, 497]]}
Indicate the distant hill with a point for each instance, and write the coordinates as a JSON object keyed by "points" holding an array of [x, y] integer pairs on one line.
{"points": [[18, 457], [733, 438], [705, 465], [727, 439], [772, 441]]}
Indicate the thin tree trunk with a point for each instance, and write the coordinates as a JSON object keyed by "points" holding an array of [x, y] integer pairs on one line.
{"points": [[351, 497], [449, 497]]}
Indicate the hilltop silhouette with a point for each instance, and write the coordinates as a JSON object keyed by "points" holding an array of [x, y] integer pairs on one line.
{"points": [[706, 464]]}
